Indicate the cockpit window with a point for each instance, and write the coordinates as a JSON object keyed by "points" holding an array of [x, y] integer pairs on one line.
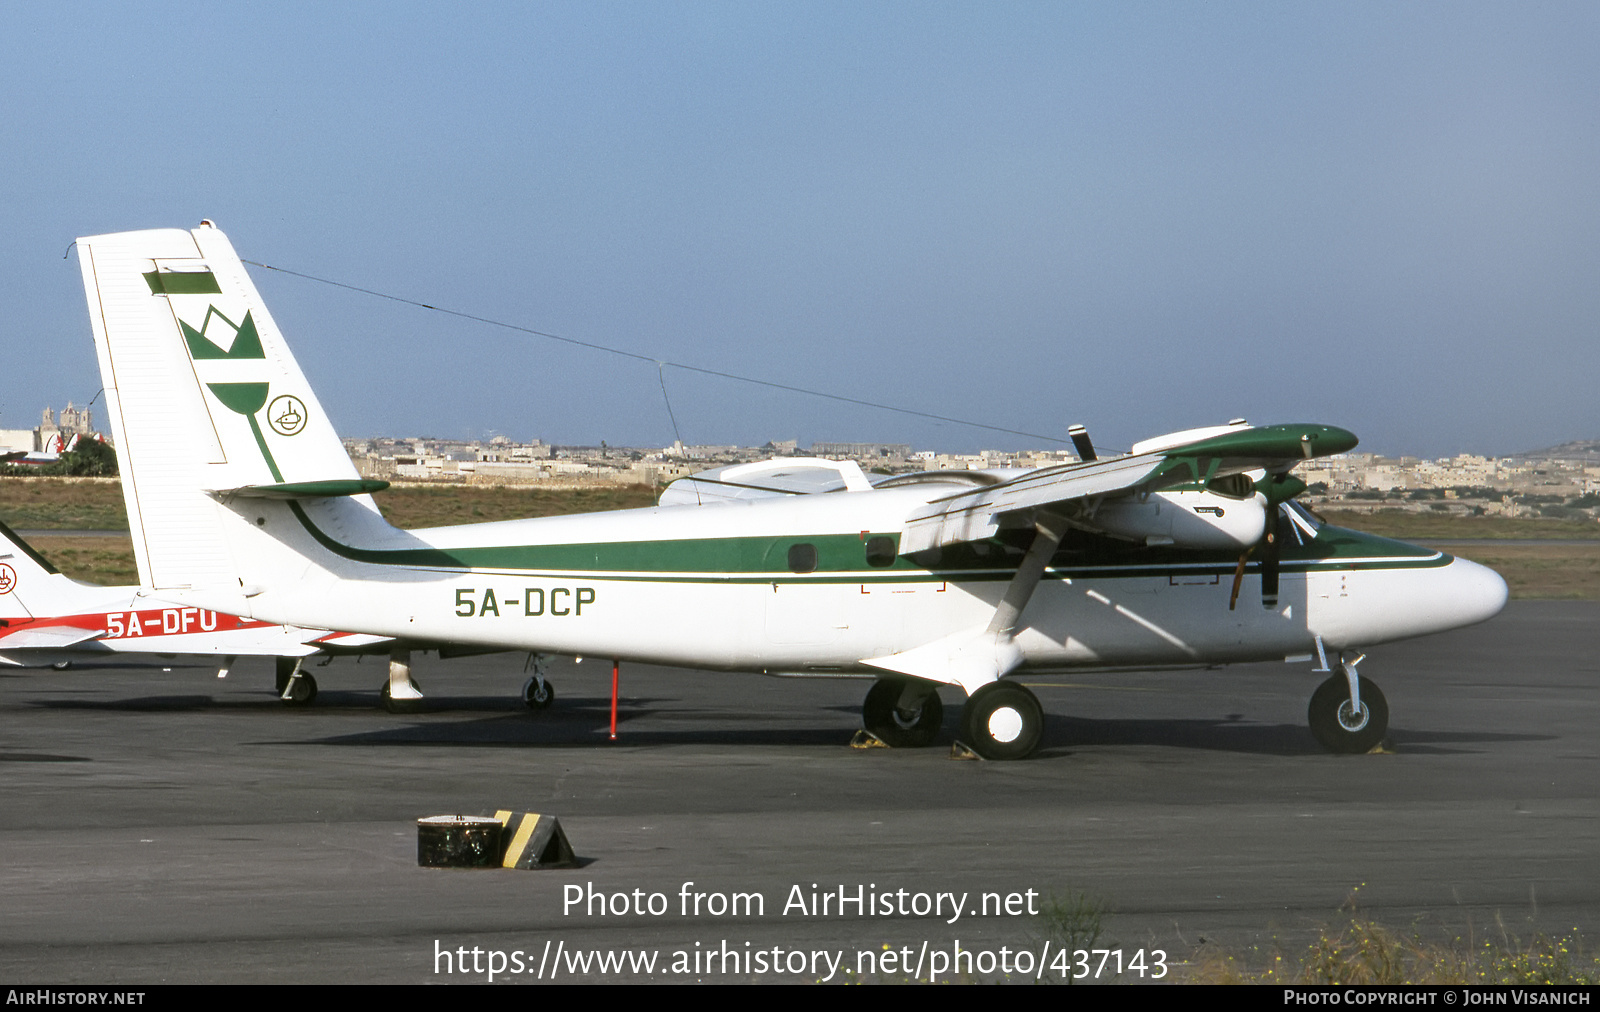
{"points": [[1234, 486]]}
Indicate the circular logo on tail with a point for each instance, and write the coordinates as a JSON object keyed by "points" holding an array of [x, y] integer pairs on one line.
{"points": [[8, 578], [286, 415]]}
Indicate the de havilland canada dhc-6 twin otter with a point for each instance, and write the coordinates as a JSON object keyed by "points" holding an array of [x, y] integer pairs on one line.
{"points": [[1190, 551]]}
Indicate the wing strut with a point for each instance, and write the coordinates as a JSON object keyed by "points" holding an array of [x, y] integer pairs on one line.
{"points": [[974, 658], [1049, 529]]}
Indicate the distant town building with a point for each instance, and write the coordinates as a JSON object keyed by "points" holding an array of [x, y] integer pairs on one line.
{"points": [[1535, 485], [51, 435], [887, 453]]}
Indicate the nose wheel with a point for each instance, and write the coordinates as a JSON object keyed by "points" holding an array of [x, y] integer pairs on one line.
{"points": [[1340, 725], [538, 693]]}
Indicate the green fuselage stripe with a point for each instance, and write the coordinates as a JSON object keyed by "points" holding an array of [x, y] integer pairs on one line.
{"points": [[841, 558]]}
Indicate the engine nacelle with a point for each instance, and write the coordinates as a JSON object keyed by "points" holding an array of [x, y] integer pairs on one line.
{"points": [[1194, 519]]}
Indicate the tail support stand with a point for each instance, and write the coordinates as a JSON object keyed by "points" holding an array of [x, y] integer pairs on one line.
{"points": [[616, 670], [400, 693]]}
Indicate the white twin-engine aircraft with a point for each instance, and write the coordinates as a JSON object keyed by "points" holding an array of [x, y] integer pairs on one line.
{"points": [[1187, 552]]}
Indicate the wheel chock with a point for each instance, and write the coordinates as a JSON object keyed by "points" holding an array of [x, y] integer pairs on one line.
{"points": [[534, 841], [458, 841], [866, 739], [959, 750]]}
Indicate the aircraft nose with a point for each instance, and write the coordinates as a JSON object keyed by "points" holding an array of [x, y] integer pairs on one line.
{"points": [[1477, 592]]}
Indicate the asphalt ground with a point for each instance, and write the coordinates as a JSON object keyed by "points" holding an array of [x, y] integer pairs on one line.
{"points": [[164, 826]]}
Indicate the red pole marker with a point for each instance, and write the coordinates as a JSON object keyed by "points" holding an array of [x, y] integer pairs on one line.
{"points": [[615, 665]]}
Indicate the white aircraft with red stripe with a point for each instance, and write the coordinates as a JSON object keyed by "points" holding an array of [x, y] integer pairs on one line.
{"points": [[49, 619]]}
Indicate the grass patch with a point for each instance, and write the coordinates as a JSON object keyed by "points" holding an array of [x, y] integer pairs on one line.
{"points": [[413, 506], [1366, 952], [1570, 572], [1071, 922], [73, 504], [104, 560], [1393, 523], [96, 505]]}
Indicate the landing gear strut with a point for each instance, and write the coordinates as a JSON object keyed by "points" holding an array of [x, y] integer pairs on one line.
{"points": [[537, 692], [295, 686], [1002, 720], [1342, 726], [902, 713], [400, 693]]}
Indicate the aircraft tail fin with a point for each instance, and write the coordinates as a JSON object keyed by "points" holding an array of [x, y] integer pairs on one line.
{"points": [[206, 403], [26, 576]]}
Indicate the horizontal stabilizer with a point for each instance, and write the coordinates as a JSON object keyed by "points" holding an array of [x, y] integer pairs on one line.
{"points": [[49, 638], [306, 489]]}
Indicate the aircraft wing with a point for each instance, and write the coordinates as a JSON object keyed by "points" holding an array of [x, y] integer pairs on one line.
{"points": [[764, 479], [980, 513]]}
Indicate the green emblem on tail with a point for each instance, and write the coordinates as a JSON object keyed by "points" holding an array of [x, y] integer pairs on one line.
{"points": [[246, 342], [247, 399]]}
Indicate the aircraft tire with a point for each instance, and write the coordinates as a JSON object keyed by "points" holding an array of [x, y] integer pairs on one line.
{"points": [[61, 665], [302, 691], [894, 727], [1340, 730], [1002, 720], [537, 698]]}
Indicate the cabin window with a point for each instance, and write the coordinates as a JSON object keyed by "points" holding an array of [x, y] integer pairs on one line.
{"points": [[880, 551], [803, 557]]}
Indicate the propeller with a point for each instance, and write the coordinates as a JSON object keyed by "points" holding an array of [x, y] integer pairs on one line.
{"points": [[1278, 488], [1080, 442]]}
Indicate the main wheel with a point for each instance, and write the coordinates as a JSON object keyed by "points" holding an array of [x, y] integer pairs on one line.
{"points": [[1338, 726], [538, 695], [302, 691], [1002, 720], [899, 728]]}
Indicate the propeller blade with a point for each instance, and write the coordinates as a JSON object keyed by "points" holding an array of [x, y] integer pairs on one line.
{"points": [[1278, 489], [1238, 577], [1269, 561], [1080, 442]]}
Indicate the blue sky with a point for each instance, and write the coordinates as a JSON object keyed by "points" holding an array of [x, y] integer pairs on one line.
{"points": [[1139, 216]]}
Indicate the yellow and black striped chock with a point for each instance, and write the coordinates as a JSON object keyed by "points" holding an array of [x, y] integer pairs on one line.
{"points": [[534, 841]]}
